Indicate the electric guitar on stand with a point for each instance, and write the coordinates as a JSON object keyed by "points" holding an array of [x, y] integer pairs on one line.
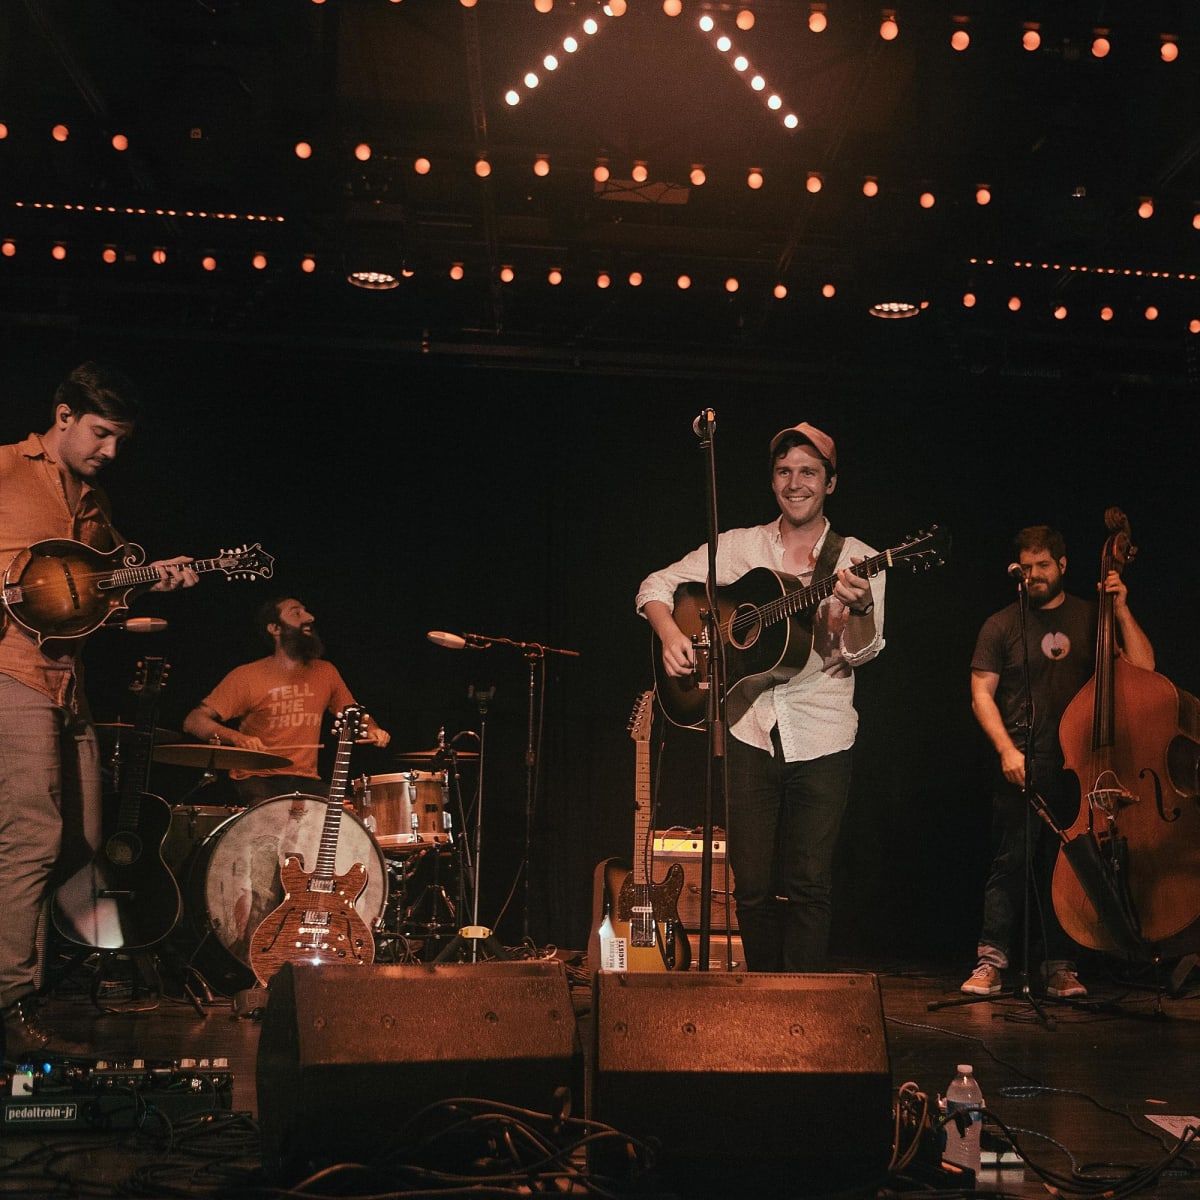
{"points": [[126, 898], [317, 921], [640, 929]]}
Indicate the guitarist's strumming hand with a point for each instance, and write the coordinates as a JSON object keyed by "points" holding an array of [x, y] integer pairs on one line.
{"points": [[677, 655], [172, 575]]}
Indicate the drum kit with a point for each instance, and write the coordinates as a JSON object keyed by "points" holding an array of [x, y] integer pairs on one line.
{"points": [[226, 857]]}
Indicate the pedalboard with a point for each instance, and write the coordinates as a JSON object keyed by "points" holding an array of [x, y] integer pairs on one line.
{"points": [[44, 1095]]}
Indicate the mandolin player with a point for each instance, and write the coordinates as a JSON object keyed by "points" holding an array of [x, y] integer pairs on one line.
{"points": [[49, 763], [790, 754]]}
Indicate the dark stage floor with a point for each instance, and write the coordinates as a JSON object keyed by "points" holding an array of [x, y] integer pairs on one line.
{"points": [[1079, 1093]]}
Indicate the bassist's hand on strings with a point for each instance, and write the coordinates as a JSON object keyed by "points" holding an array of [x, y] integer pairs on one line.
{"points": [[172, 575], [1116, 585]]}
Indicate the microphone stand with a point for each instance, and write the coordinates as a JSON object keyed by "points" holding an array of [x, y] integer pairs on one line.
{"points": [[535, 656], [716, 776], [1032, 802]]}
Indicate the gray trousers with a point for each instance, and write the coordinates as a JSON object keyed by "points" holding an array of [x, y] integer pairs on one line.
{"points": [[49, 822]]}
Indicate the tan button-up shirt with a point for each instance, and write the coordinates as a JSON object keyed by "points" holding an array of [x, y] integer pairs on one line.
{"points": [[34, 507]]}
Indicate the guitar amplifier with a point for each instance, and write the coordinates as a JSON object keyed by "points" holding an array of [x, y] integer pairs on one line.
{"points": [[670, 846]]}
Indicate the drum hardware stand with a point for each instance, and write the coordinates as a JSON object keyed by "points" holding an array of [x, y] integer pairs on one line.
{"points": [[474, 935]]}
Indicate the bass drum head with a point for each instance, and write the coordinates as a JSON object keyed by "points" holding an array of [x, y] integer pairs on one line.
{"points": [[234, 880]]}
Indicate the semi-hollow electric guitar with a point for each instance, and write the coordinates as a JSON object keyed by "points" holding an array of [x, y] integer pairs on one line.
{"points": [[60, 588], [766, 624], [126, 898], [317, 921], [641, 929]]}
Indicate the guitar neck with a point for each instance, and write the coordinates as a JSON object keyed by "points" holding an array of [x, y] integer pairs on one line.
{"points": [[641, 816], [125, 577], [135, 770], [327, 854], [805, 598]]}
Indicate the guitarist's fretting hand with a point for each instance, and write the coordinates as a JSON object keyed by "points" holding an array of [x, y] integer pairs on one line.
{"points": [[172, 575], [853, 592]]}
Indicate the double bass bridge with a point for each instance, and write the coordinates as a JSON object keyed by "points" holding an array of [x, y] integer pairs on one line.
{"points": [[1110, 800]]}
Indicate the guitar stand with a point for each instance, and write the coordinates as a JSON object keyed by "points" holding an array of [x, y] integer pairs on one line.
{"points": [[145, 981], [473, 943]]}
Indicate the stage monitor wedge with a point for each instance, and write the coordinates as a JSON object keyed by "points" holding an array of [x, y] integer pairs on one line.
{"points": [[349, 1054], [752, 1084]]}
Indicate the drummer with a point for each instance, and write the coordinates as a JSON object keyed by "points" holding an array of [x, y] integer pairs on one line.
{"points": [[278, 703]]}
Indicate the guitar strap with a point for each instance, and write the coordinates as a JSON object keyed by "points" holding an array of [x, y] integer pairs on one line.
{"points": [[827, 559]]}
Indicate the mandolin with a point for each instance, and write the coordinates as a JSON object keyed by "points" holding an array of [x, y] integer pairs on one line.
{"points": [[317, 921], [64, 589], [766, 624]]}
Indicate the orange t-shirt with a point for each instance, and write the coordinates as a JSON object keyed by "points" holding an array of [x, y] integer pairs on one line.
{"points": [[282, 707], [33, 507]]}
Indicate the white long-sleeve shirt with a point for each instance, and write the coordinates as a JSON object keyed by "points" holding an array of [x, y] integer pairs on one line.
{"points": [[815, 708]]}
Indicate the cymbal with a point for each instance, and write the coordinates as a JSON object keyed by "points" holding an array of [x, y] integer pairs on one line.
{"points": [[437, 754], [217, 758], [110, 731]]}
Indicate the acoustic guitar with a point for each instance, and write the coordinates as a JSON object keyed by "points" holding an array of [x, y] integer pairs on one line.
{"points": [[64, 589], [766, 625], [126, 898], [641, 929], [317, 922]]}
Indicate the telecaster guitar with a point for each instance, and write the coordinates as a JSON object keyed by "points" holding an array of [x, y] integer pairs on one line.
{"points": [[641, 929], [766, 625], [61, 589], [317, 921], [126, 898]]}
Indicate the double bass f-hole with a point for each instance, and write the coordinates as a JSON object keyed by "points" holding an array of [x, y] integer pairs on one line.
{"points": [[1175, 813]]}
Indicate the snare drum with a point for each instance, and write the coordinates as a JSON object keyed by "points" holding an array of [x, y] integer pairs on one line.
{"points": [[233, 879], [404, 810]]}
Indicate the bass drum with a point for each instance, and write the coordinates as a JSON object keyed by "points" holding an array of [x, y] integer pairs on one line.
{"points": [[233, 882]]}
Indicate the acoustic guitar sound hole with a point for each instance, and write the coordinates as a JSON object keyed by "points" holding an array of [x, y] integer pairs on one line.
{"points": [[745, 627]]}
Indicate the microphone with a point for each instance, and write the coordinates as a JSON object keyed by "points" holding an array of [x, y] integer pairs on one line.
{"points": [[448, 641], [139, 625], [705, 421], [1017, 572]]}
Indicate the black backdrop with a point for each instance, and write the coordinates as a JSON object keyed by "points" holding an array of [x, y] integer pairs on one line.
{"points": [[403, 493]]}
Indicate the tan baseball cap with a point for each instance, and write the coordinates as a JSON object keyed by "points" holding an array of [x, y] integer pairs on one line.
{"points": [[821, 442]]}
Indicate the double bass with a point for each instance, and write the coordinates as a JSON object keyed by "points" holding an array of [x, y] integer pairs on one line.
{"points": [[1133, 739]]}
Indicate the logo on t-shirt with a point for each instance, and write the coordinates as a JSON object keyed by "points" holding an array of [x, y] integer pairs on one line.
{"points": [[1056, 645]]}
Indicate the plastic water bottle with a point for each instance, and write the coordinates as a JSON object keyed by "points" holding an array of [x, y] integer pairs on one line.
{"points": [[963, 1094]]}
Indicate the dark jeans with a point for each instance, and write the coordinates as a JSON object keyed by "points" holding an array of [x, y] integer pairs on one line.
{"points": [[783, 826], [254, 789], [1003, 897]]}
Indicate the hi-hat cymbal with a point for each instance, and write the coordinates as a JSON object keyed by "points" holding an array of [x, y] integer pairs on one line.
{"points": [[437, 754], [109, 731], [217, 758]]}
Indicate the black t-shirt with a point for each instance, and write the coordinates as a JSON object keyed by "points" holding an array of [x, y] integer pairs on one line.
{"points": [[1062, 647]]}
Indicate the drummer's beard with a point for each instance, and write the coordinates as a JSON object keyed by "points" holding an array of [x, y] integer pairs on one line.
{"points": [[303, 644]]}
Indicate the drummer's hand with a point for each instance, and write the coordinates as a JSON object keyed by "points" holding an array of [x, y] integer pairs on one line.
{"points": [[243, 741], [172, 575], [373, 735]]}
